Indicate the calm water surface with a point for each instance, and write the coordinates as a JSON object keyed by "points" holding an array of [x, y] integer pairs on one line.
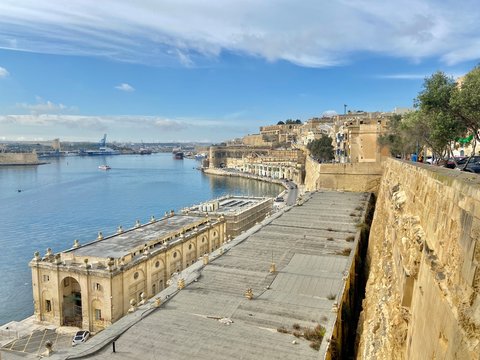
{"points": [[70, 198]]}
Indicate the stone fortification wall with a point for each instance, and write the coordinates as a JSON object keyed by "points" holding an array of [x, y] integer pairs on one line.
{"points": [[423, 292], [360, 177], [18, 159]]}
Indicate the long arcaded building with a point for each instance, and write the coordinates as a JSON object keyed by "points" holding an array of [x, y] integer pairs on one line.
{"points": [[93, 285]]}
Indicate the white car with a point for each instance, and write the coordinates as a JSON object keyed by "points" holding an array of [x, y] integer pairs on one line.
{"points": [[80, 337]]}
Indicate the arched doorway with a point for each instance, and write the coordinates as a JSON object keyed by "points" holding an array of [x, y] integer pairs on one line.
{"points": [[72, 303]]}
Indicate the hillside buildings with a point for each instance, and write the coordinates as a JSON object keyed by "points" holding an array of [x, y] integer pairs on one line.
{"points": [[279, 151], [271, 163]]}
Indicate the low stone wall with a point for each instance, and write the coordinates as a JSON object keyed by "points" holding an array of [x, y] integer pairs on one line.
{"points": [[18, 159], [358, 177], [423, 292]]}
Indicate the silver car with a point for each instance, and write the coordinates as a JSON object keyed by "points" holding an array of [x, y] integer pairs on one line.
{"points": [[80, 337]]}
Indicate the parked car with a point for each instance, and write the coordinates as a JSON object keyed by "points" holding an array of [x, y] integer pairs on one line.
{"points": [[80, 337], [473, 165], [279, 199], [450, 163]]}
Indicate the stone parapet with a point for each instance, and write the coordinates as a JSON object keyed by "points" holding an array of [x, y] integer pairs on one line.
{"points": [[358, 177]]}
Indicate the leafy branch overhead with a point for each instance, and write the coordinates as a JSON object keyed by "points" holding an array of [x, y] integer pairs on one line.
{"points": [[447, 114]]}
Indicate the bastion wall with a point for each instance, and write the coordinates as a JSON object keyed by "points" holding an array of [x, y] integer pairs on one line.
{"points": [[18, 158], [358, 177], [423, 291]]}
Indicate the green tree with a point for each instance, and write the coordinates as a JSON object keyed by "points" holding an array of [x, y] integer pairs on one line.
{"points": [[436, 118], [465, 103], [322, 149], [280, 123], [400, 138]]}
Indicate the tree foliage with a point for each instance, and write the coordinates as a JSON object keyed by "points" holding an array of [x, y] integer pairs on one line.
{"points": [[440, 122], [465, 103], [399, 137], [322, 149], [446, 113]]}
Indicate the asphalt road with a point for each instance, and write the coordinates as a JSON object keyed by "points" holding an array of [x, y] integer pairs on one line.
{"points": [[292, 196]]}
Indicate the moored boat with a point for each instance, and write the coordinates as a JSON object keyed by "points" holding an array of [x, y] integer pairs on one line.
{"points": [[177, 154], [104, 167], [102, 150]]}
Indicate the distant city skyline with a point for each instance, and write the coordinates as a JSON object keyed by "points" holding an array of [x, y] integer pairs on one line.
{"points": [[164, 71]]}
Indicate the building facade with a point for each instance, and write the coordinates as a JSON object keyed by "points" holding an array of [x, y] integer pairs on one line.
{"points": [[240, 212], [93, 285], [356, 137]]}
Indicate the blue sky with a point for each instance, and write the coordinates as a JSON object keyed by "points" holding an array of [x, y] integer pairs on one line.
{"points": [[209, 70]]}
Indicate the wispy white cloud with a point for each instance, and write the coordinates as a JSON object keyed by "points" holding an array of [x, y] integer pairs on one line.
{"points": [[125, 87], [403, 76], [46, 107], [308, 33], [3, 72], [120, 127], [94, 122], [414, 76]]}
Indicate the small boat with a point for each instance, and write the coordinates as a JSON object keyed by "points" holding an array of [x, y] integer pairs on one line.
{"points": [[177, 154], [144, 151], [104, 167], [200, 156]]}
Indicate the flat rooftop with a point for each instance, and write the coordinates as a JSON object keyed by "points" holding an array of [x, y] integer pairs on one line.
{"points": [[119, 245], [229, 205], [305, 243]]}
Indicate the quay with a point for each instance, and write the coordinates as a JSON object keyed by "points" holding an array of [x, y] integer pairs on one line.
{"points": [[283, 289]]}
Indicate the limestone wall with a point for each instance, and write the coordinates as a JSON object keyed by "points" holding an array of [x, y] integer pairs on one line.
{"points": [[18, 159], [359, 177], [423, 293]]}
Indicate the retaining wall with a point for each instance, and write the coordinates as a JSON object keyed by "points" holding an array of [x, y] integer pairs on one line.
{"points": [[423, 292]]}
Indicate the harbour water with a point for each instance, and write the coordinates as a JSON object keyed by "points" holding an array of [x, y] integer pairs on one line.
{"points": [[71, 198]]}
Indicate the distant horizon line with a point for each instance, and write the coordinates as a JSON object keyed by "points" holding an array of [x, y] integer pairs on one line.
{"points": [[112, 142]]}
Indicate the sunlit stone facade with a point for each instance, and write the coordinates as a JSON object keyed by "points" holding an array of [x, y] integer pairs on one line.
{"points": [[94, 285]]}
